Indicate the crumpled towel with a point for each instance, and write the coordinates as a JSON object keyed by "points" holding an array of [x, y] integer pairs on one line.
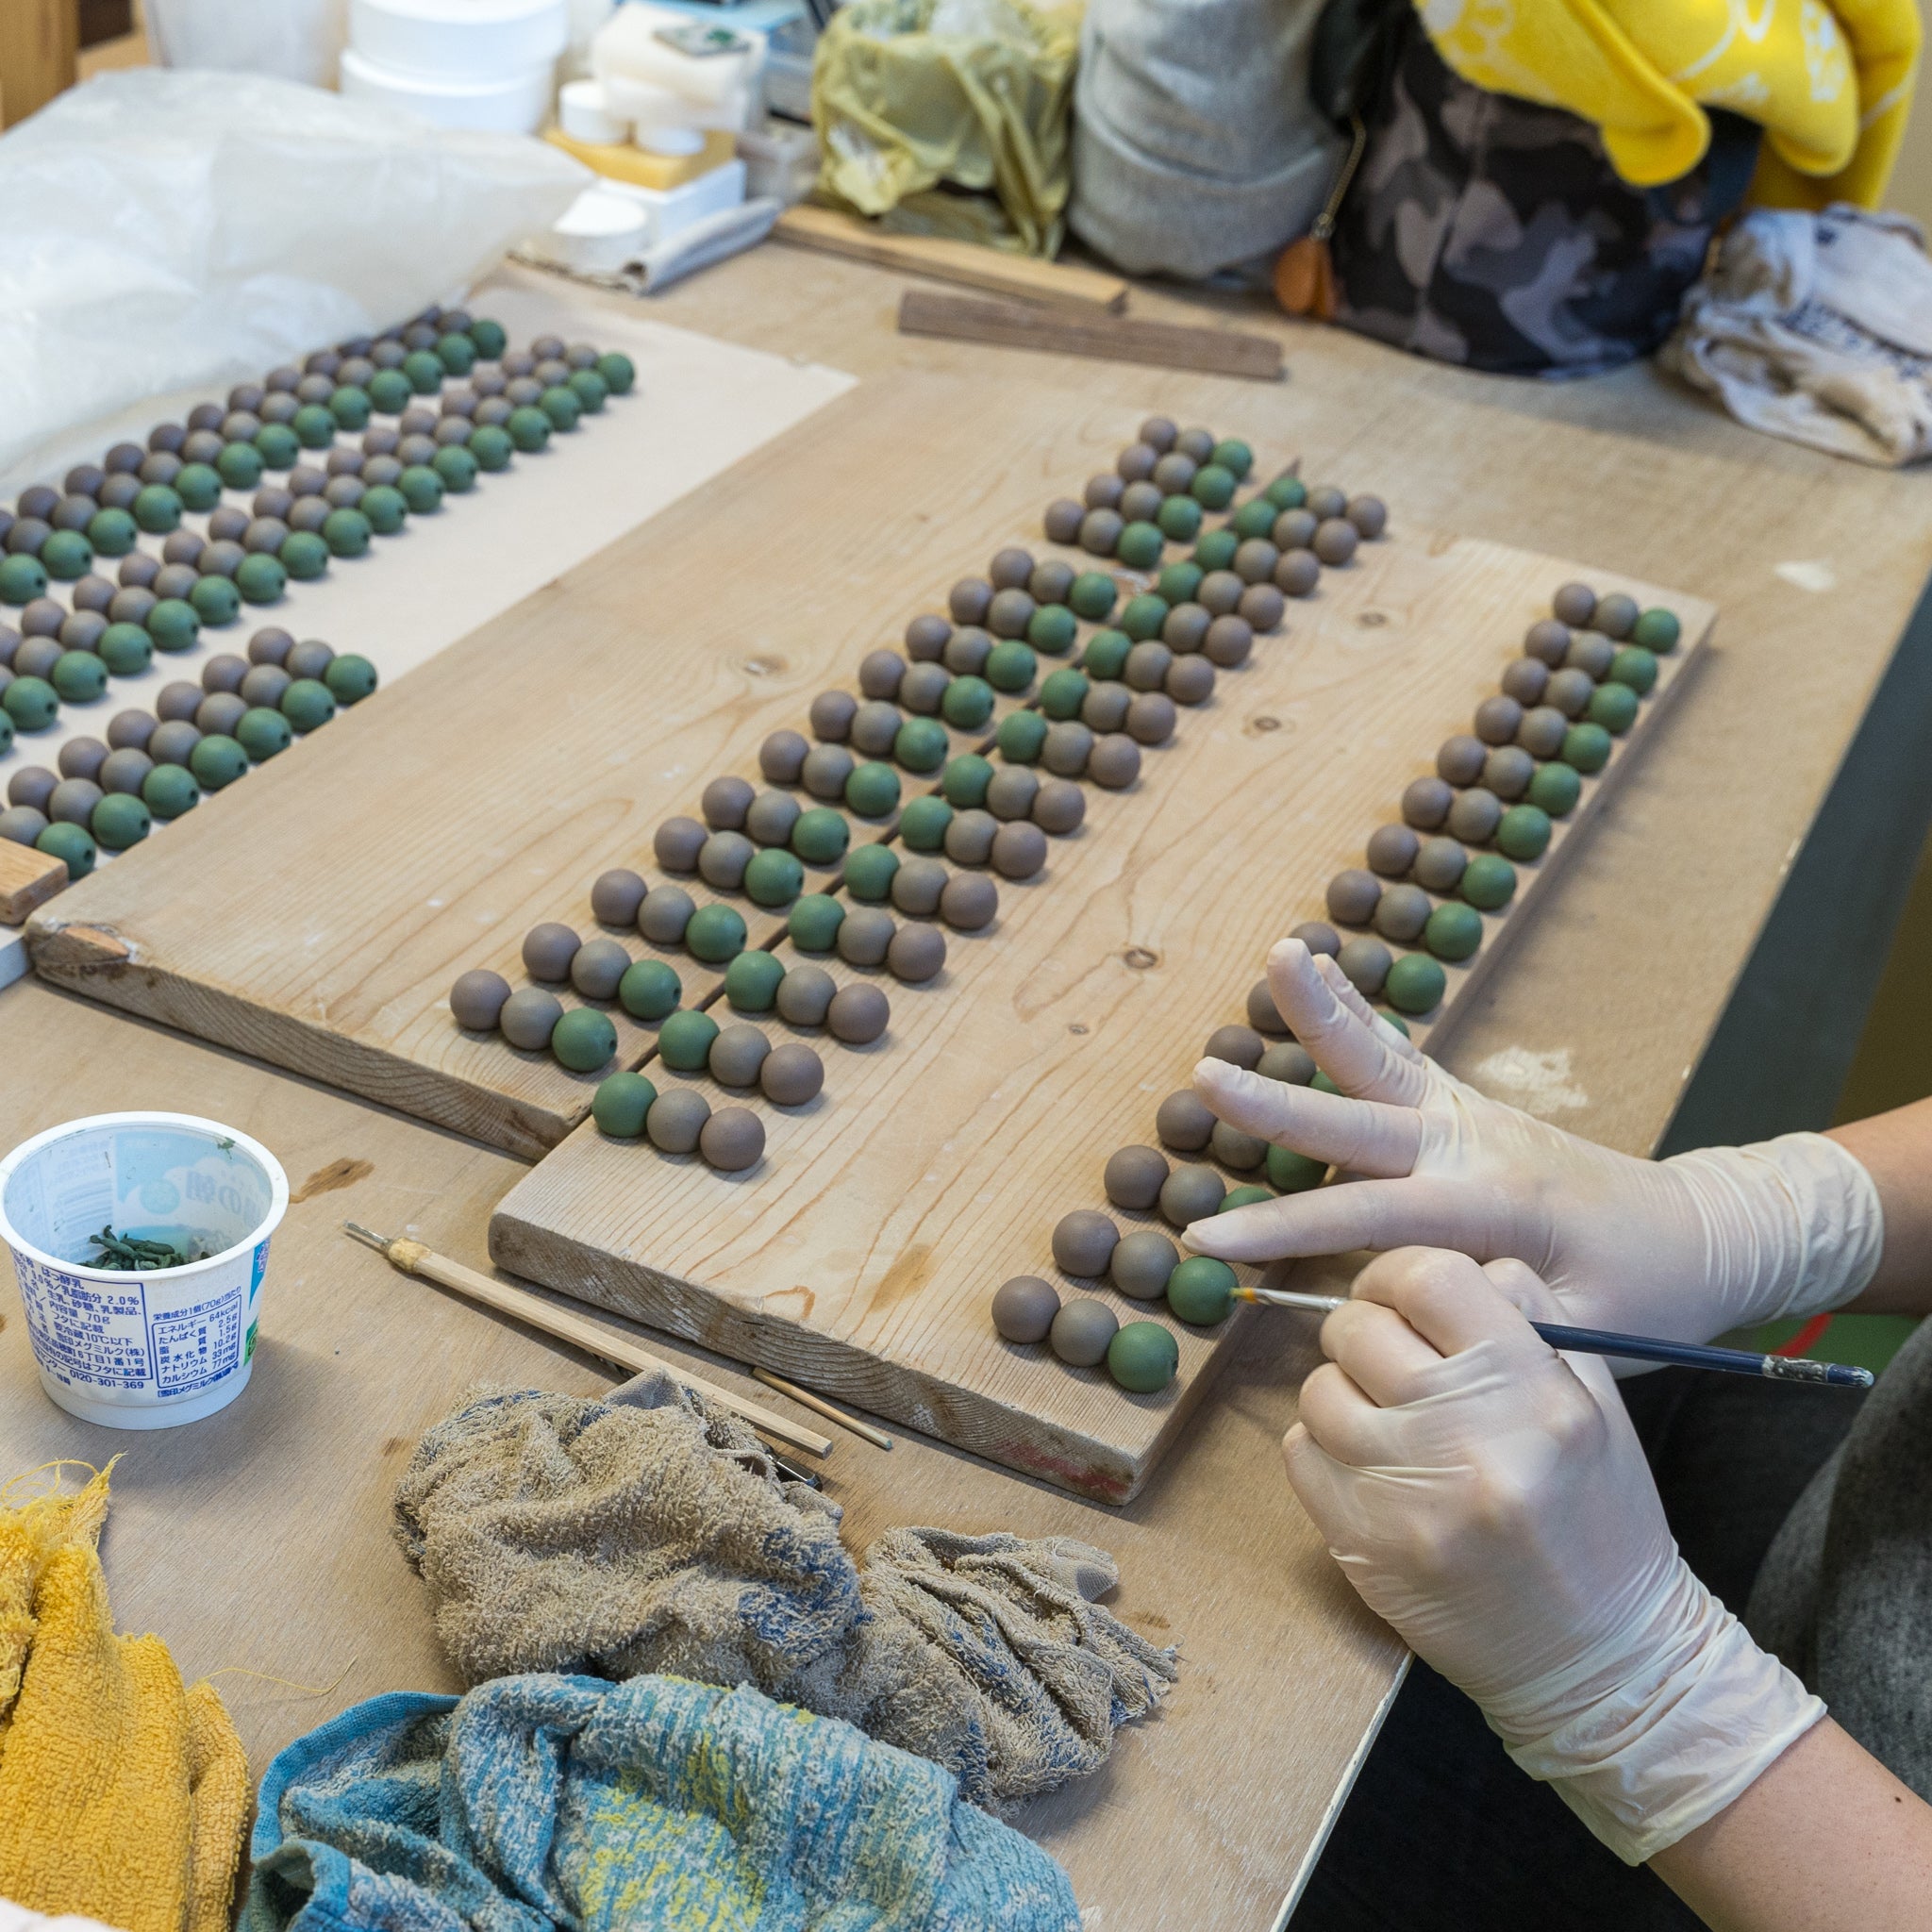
{"points": [[1830, 84], [1819, 328], [545, 1801], [650, 1532], [122, 1795]]}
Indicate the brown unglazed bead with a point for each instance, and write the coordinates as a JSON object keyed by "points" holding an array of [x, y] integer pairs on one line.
{"points": [[732, 1140], [1439, 864], [548, 949], [737, 1056], [967, 600], [1353, 896], [1264, 1016], [1234, 1149], [1289, 1062], [1019, 849], [1083, 1242], [1592, 653], [1573, 605], [1062, 521], [597, 966], [616, 896], [1542, 731], [676, 1119], [1459, 759], [1220, 592], [1496, 719], [831, 716], [1508, 771], [1115, 763], [677, 843], [1365, 962], [1140, 1264], [478, 998], [1081, 1332], [970, 902], [1425, 803], [1183, 1121], [1547, 641], [1151, 716], [1391, 850], [917, 886], [1147, 665], [1369, 514], [806, 994], [1059, 806], [1103, 491], [1239, 1046], [927, 639], [1134, 1176], [864, 933], [1475, 816], [879, 673], [1570, 690], [1298, 573], [791, 1075], [1523, 679], [1011, 793], [1024, 1309], [858, 1015], [1261, 605], [1402, 914], [1191, 1193], [1105, 707], [1185, 627], [1336, 541], [825, 770], [917, 953], [970, 837], [1158, 433], [1317, 935], [1136, 462], [1615, 615]]}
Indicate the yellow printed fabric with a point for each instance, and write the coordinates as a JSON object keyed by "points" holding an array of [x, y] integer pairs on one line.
{"points": [[122, 1795], [1830, 85]]}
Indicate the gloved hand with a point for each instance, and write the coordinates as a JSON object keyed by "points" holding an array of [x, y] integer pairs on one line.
{"points": [[1685, 1248], [1489, 1499]]}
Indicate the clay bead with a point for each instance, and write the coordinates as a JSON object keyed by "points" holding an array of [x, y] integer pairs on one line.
{"points": [[1185, 627], [1439, 864], [831, 716], [858, 1015], [1183, 1121], [1472, 817], [1573, 605], [1241, 1046], [825, 770], [596, 967], [970, 836], [1336, 541], [1192, 1192], [1365, 962], [1508, 771], [917, 884], [615, 897], [1402, 914], [804, 994], [1062, 520], [1082, 1332], [1106, 706], [1234, 1149], [529, 1017], [1103, 491], [1023, 1310], [1391, 850], [664, 915], [879, 672], [1264, 1016], [917, 953], [1497, 718], [1220, 593], [1261, 607], [724, 803], [677, 843], [1115, 763], [548, 949], [1289, 1062], [925, 638], [864, 933], [1059, 806], [676, 1119], [1592, 653], [1353, 896], [1084, 1241], [1369, 514], [1140, 1264], [1615, 616], [1543, 730], [1459, 759], [1425, 803], [737, 1055], [791, 1075], [1019, 850], [1151, 716], [968, 903], [1134, 1175], [1525, 679], [1569, 690], [1547, 641], [478, 998], [1298, 572]]}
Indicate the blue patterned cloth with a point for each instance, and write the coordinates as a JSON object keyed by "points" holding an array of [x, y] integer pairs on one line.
{"points": [[549, 1801]]}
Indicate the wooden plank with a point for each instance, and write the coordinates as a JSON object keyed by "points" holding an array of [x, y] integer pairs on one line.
{"points": [[28, 877], [1025, 277], [40, 41], [1112, 339]]}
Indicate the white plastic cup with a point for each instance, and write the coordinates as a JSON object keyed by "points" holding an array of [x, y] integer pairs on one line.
{"points": [[142, 1350]]}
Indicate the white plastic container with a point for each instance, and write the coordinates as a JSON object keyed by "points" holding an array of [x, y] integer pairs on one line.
{"points": [[141, 1350], [460, 39], [517, 103], [584, 114]]}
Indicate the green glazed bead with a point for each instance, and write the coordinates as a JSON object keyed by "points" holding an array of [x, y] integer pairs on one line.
{"points": [[1522, 832], [349, 408], [456, 467], [384, 509], [1010, 666], [619, 373], [169, 791], [119, 821], [304, 555], [1454, 931], [965, 779], [648, 990], [173, 624], [423, 372], [421, 488], [492, 447], [1488, 881], [158, 509], [125, 649], [751, 981], [589, 389], [1635, 666], [562, 407], [619, 1103], [6, 733], [1416, 984], [1093, 596], [1255, 518], [264, 734], [458, 354], [350, 678], [1234, 455], [1287, 492], [1105, 655], [1555, 789], [584, 1039], [71, 844], [314, 428], [1051, 628], [819, 835], [67, 555], [217, 761], [922, 824], [1139, 546], [32, 703], [1179, 517], [1394, 1019], [112, 532], [1587, 746], [307, 705], [259, 579], [815, 922], [1657, 630], [528, 428], [1246, 1197], [1292, 1172], [921, 744], [870, 872], [1143, 616], [1020, 736], [240, 465], [79, 676], [198, 486], [278, 446], [1215, 551], [1063, 694], [873, 789], [22, 579], [1200, 1289], [1143, 1357], [968, 703], [774, 877], [346, 532], [488, 336], [715, 934], [1613, 707], [389, 390], [1212, 487], [684, 1040]]}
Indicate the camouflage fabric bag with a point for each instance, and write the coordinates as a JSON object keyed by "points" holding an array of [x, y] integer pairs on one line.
{"points": [[1488, 231]]}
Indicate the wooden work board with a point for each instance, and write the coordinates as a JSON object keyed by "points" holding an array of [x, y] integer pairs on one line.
{"points": [[320, 924]]}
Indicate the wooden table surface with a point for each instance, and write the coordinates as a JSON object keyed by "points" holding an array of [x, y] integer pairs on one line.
{"points": [[260, 1539]]}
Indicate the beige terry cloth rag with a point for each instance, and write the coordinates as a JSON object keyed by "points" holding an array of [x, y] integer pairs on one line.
{"points": [[652, 1532], [1818, 327]]}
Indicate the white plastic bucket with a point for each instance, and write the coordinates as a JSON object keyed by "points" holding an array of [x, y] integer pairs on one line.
{"points": [[149, 1349]]}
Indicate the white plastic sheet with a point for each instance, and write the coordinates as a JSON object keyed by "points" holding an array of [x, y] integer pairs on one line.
{"points": [[298, 40], [161, 229]]}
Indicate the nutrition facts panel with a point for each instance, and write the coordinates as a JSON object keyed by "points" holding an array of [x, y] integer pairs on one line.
{"points": [[197, 1345]]}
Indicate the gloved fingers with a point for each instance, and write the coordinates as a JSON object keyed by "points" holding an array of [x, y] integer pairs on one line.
{"points": [[1381, 1354], [1364, 1136], [1524, 1289], [1350, 994], [1449, 1301], [1338, 1219], [1323, 1485], [1351, 1053]]}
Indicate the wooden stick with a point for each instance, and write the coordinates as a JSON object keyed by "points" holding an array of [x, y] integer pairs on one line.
{"points": [[412, 1257], [1024, 276], [28, 876], [877, 1438], [1112, 338]]}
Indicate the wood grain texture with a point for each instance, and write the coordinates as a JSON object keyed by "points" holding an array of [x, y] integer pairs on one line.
{"points": [[1024, 276], [1110, 338], [40, 41], [28, 879]]}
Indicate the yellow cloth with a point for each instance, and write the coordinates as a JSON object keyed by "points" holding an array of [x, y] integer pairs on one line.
{"points": [[122, 1795], [1831, 85]]}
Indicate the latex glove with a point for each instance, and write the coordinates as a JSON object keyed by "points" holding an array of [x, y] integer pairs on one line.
{"points": [[1686, 1248], [1489, 1498]]}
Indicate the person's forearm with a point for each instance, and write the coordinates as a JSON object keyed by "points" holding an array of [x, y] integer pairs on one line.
{"points": [[1827, 1840], [1896, 1151]]}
